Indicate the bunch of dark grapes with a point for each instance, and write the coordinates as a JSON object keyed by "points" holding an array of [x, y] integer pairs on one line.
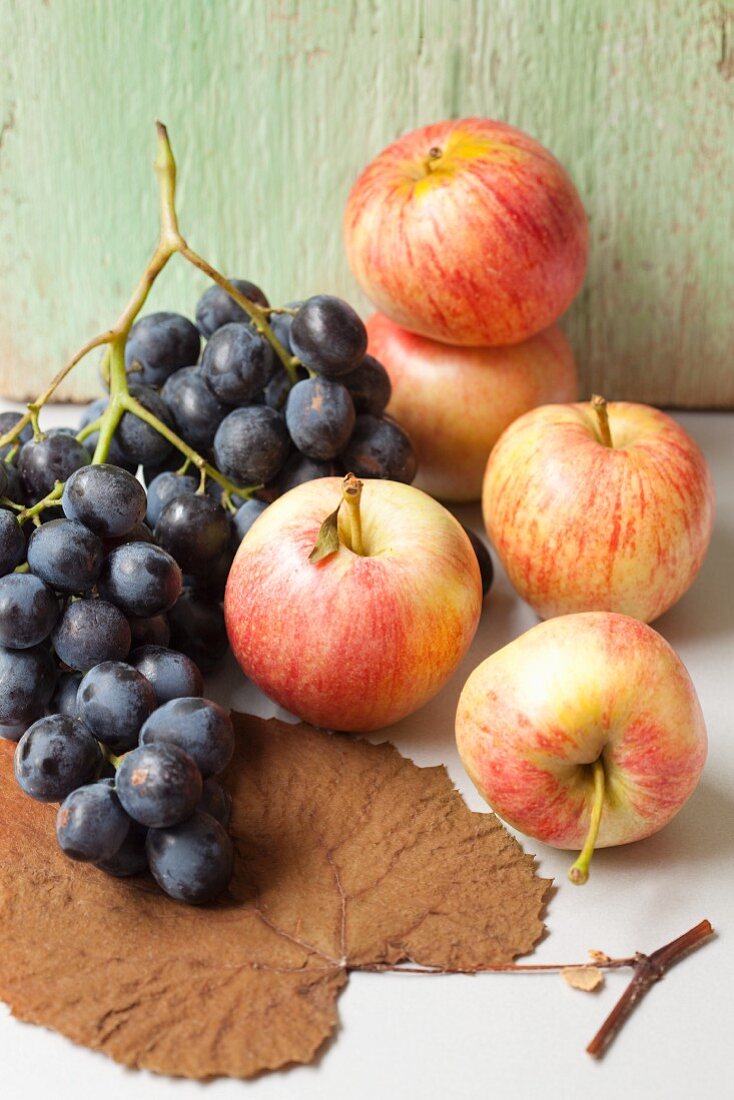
{"points": [[110, 601], [113, 729]]}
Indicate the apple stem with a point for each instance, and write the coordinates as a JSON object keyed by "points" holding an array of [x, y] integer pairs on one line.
{"points": [[579, 872], [599, 405], [351, 494]]}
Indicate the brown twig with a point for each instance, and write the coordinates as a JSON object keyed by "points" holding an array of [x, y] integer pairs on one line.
{"points": [[503, 968], [648, 970]]}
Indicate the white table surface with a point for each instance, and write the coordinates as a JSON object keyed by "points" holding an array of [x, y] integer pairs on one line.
{"points": [[404, 1037]]}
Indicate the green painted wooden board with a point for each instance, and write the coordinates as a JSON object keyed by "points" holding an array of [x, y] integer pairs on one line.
{"points": [[274, 106]]}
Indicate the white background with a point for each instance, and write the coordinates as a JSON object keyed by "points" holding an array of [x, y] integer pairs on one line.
{"points": [[521, 1036]]}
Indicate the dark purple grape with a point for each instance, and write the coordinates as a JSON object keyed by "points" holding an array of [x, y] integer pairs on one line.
{"points": [[13, 731], [215, 307], [171, 675], [370, 386], [194, 530], [8, 420], [158, 345], [27, 678], [3, 480], [141, 579], [281, 323], [106, 499], [90, 631], [380, 448], [91, 825], [141, 442], [299, 468], [163, 489], [12, 542], [251, 445], [277, 390], [196, 411], [246, 516], [237, 363], [13, 486], [484, 561], [140, 533], [173, 462], [43, 462], [211, 582], [320, 417], [62, 430], [216, 492], [54, 756], [192, 862], [115, 455], [63, 700], [113, 701], [66, 554], [216, 801], [200, 727], [152, 631], [92, 412], [198, 630], [28, 611], [328, 336], [159, 785], [130, 858]]}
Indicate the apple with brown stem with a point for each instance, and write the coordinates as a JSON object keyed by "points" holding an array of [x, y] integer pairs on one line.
{"points": [[584, 732], [350, 606], [599, 507], [467, 231]]}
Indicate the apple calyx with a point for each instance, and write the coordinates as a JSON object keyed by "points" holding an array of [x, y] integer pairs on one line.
{"points": [[599, 405], [328, 539], [578, 873]]}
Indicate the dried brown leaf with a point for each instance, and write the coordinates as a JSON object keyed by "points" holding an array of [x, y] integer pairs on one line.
{"points": [[588, 978], [348, 855]]}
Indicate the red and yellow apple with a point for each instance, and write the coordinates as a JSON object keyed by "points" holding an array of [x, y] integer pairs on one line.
{"points": [[586, 729], [455, 402], [467, 231], [359, 639], [596, 507]]}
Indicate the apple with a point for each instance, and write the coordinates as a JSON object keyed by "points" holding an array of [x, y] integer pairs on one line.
{"points": [[455, 402], [596, 507], [372, 631], [467, 231], [585, 730]]}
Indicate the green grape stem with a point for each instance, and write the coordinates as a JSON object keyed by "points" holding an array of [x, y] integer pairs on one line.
{"points": [[88, 429], [170, 242], [47, 502]]}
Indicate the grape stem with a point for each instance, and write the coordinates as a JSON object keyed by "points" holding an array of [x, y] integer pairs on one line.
{"points": [[170, 242], [47, 502], [88, 429]]}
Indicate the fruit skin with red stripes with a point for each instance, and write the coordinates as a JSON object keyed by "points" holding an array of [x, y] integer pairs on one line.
{"points": [[455, 402], [536, 716], [357, 640], [581, 523], [467, 231]]}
